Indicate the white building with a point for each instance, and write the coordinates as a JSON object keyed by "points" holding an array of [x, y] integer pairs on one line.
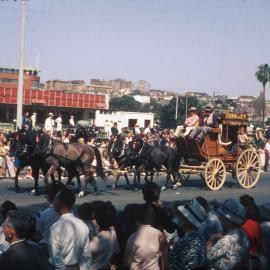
{"points": [[142, 99], [124, 119]]}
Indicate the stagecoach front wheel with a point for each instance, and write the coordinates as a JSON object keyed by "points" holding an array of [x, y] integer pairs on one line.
{"points": [[248, 168], [215, 174]]}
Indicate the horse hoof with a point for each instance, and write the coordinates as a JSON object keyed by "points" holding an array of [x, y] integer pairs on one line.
{"points": [[174, 187], [81, 194], [127, 188], [113, 187], [163, 188], [178, 184], [135, 189], [34, 192]]}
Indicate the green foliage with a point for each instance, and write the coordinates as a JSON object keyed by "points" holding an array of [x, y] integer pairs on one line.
{"points": [[263, 74], [257, 104], [167, 116], [125, 103], [128, 103]]}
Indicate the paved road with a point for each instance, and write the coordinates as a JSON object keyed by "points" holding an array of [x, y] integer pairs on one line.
{"points": [[192, 188]]}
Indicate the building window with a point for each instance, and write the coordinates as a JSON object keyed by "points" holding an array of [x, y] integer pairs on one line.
{"points": [[35, 85], [13, 81]]}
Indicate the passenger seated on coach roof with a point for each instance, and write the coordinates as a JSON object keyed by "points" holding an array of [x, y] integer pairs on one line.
{"points": [[192, 121], [209, 121]]}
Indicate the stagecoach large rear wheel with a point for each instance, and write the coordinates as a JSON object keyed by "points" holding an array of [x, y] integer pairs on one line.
{"points": [[248, 168], [215, 174]]}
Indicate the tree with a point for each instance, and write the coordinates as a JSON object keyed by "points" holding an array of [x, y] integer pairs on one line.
{"points": [[167, 114], [257, 104], [125, 103], [263, 76]]}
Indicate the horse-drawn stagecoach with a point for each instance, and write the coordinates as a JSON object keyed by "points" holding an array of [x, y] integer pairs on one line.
{"points": [[214, 158]]}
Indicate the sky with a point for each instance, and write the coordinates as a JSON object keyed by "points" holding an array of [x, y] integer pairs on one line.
{"points": [[193, 45]]}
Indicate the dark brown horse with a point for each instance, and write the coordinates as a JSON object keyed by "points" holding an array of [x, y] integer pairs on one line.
{"points": [[26, 149], [72, 157]]}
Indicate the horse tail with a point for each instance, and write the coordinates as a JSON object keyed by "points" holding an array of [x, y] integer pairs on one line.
{"points": [[100, 171]]}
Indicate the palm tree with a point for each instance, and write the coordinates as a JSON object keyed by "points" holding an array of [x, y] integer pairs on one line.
{"points": [[263, 76]]}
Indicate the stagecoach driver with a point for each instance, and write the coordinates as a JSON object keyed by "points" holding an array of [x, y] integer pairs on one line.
{"points": [[209, 122], [49, 123]]}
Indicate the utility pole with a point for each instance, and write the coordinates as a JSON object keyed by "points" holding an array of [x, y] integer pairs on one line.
{"points": [[176, 107], [186, 105], [21, 68]]}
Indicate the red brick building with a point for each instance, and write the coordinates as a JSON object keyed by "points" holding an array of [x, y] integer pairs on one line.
{"points": [[81, 105]]}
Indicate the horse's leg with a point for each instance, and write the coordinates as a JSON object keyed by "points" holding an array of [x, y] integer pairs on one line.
{"points": [[35, 174], [146, 177], [165, 187], [77, 174], [177, 178], [89, 178], [16, 187], [151, 176], [114, 186], [135, 180], [51, 170], [127, 180], [71, 173]]}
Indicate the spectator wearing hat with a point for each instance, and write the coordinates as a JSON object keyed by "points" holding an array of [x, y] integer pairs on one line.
{"points": [[189, 252], [192, 121], [59, 123], [259, 137], [114, 129], [21, 255], [49, 123], [265, 230], [229, 251], [71, 122]]}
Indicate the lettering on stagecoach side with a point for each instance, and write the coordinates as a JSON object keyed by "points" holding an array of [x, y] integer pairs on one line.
{"points": [[240, 116]]}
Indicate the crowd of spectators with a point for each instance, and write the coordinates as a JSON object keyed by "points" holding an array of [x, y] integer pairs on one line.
{"points": [[194, 234]]}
